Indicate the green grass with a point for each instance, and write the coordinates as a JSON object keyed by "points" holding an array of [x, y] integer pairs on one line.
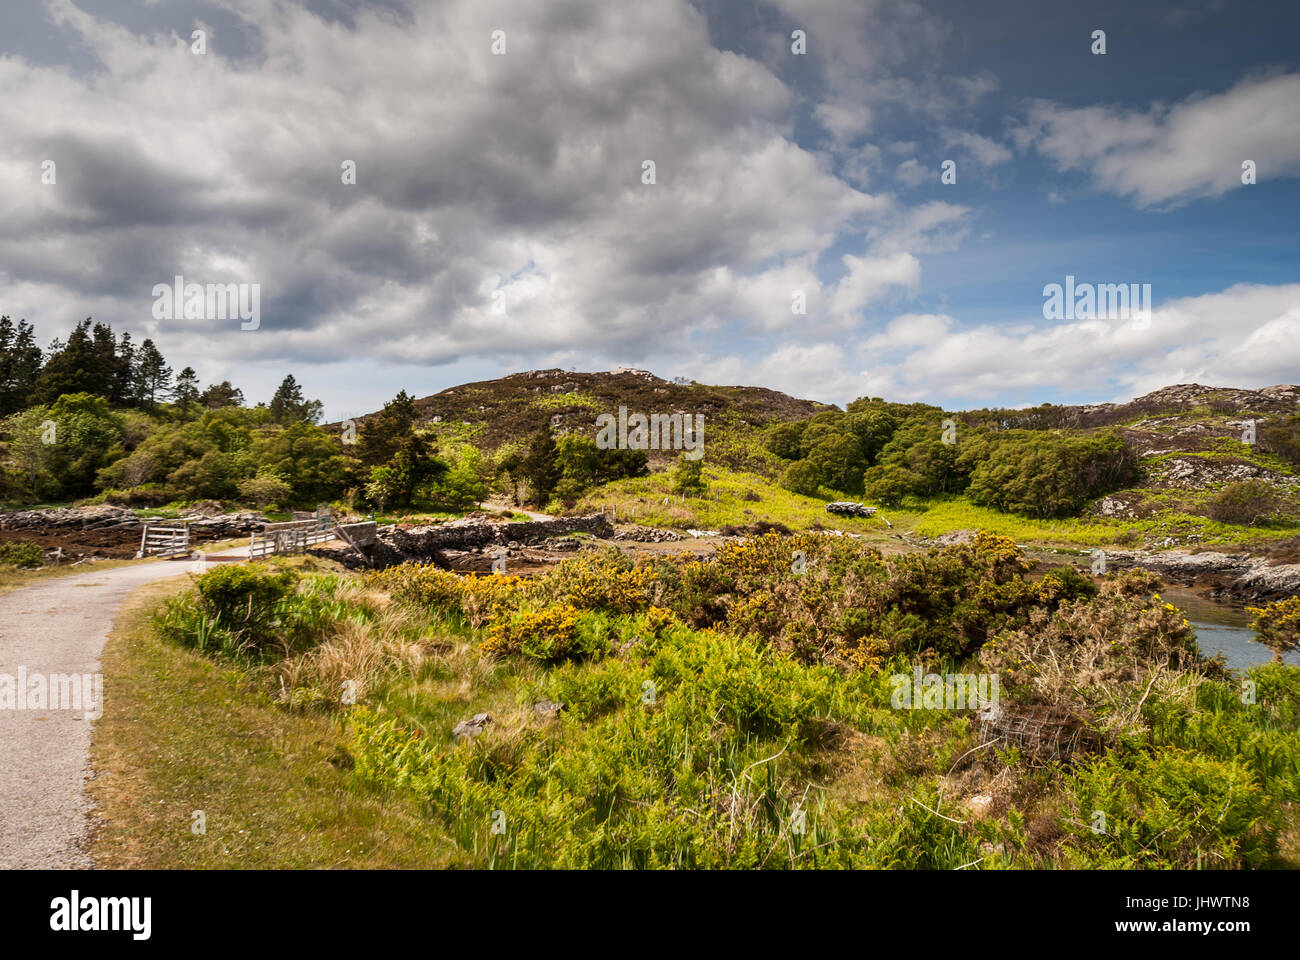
{"points": [[959, 513], [182, 733], [641, 500]]}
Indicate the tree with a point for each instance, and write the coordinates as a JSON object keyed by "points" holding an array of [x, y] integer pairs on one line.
{"points": [[265, 489], [289, 406], [71, 366], [540, 466], [383, 486], [462, 486], [1048, 474], [838, 462], [20, 365], [223, 394], [1278, 625], [152, 375], [306, 457], [186, 392], [122, 391], [383, 434], [889, 483], [57, 448], [783, 439], [583, 465]]}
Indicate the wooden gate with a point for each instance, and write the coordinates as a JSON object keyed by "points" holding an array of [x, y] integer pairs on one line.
{"points": [[158, 540], [292, 536]]}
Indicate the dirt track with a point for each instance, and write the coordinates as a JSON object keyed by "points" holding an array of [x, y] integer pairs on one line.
{"points": [[55, 626]]}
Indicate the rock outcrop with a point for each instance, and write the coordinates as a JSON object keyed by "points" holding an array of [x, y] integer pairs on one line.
{"points": [[433, 543], [1236, 577]]}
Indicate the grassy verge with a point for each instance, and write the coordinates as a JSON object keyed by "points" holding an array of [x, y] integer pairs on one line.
{"points": [[181, 733]]}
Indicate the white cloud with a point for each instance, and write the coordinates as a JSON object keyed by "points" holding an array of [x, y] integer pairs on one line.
{"points": [[1169, 154], [1247, 335], [476, 173]]}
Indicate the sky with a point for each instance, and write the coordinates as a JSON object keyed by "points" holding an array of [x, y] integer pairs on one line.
{"points": [[799, 233]]}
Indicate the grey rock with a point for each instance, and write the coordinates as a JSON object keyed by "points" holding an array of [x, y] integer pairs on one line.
{"points": [[471, 728]]}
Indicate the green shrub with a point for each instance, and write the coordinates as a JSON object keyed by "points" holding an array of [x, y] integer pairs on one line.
{"points": [[234, 609], [688, 476], [1048, 474], [22, 553], [1246, 502]]}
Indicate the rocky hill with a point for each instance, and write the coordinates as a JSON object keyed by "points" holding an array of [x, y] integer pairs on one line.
{"points": [[1191, 438], [493, 412]]}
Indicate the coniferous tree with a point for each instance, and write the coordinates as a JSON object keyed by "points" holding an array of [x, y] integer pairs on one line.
{"points": [[288, 405], [123, 388], [20, 365], [186, 392], [383, 434], [152, 375], [541, 465], [104, 359], [72, 367]]}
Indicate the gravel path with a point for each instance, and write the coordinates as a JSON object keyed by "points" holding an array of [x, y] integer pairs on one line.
{"points": [[55, 626]]}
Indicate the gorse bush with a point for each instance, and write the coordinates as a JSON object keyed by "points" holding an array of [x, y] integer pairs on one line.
{"points": [[1278, 625]]}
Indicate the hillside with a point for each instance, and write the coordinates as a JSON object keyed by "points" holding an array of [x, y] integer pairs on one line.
{"points": [[491, 413], [1189, 439]]}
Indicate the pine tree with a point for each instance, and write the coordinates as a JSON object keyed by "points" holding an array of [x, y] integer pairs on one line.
{"points": [[186, 392], [383, 434], [71, 367], [20, 365], [541, 465], [124, 373], [288, 405], [152, 375]]}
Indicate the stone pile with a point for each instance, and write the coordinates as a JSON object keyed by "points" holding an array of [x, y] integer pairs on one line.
{"points": [[443, 540], [640, 534], [848, 508]]}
